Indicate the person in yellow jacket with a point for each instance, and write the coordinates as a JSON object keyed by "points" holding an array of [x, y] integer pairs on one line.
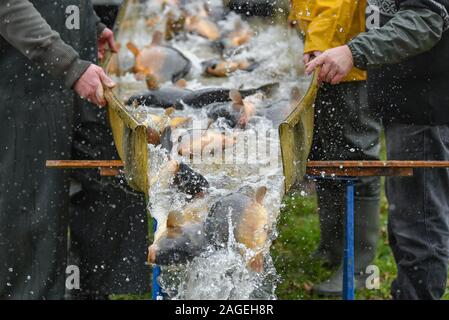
{"points": [[345, 129]]}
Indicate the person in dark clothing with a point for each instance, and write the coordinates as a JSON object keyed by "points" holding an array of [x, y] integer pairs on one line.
{"points": [[108, 220], [407, 59], [40, 59], [107, 12]]}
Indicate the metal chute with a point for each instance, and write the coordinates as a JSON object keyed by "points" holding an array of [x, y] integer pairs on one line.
{"points": [[296, 135]]}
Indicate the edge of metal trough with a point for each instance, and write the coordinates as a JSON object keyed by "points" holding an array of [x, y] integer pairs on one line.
{"points": [[296, 135], [129, 134]]}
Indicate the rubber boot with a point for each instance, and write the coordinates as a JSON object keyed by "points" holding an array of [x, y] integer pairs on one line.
{"points": [[366, 235], [331, 207]]}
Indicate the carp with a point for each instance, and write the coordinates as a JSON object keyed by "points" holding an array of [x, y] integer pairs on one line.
{"points": [[238, 113], [197, 18], [165, 97], [190, 233], [209, 142], [202, 26], [232, 39], [161, 122], [278, 111], [182, 240], [177, 97], [184, 178], [223, 68], [158, 125], [161, 62], [189, 181], [246, 218]]}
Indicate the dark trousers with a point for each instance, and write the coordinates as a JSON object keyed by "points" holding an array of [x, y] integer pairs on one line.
{"points": [[419, 212], [347, 129]]}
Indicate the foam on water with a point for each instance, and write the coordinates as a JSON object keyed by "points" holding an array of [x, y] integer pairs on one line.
{"points": [[223, 274]]}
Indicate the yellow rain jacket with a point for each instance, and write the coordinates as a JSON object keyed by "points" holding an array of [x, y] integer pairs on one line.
{"points": [[330, 23]]}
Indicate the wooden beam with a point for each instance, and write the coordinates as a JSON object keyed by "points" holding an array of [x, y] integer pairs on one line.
{"points": [[378, 164], [360, 172], [314, 168], [109, 172], [84, 164], [311, 164]]}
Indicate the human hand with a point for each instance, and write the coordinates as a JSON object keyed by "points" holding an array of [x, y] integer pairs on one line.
{"points": [[335, 64], [90, 85], [311, 55], [106, 38]]}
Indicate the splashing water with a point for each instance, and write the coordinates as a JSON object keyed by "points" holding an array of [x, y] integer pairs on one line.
{"points": [[223, 273]]}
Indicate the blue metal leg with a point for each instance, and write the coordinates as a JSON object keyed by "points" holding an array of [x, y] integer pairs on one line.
{"points": [[348, 263], [156, 288]]}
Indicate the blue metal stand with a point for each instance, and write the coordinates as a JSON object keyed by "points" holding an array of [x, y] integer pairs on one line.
{"points": [[156, 288], [348, 259]]}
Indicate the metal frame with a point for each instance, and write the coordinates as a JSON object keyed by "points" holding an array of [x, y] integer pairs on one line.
{"points": [[348, 256]]}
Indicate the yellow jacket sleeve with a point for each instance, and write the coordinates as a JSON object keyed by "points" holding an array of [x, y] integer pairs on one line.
{"points": [[328, 24], [325, 23]]}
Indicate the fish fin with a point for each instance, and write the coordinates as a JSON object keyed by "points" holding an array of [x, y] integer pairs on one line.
{"points": [[176, 122], [158, 38], [251, 65], [236, 97], [152, 254], [153, 136], [269, 89], [257, 262], [174, 232], [135, 104], [260, 194], [193, 19], [181, 83], [152, 82], [172, 220], [152, 21], [165, 139], [168, 112], [132, 47], [204, 11], [209, 124], [295, 95]]}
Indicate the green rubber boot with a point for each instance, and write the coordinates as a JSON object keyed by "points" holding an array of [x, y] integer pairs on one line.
{"points": [[366, 235]]}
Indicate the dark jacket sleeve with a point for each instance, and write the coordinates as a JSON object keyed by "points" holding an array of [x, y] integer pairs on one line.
{"points": [[25, 29], [100, 25], [410, 32]]}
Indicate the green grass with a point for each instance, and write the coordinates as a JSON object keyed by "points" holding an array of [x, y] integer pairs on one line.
{"points": [[298, 238]]}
